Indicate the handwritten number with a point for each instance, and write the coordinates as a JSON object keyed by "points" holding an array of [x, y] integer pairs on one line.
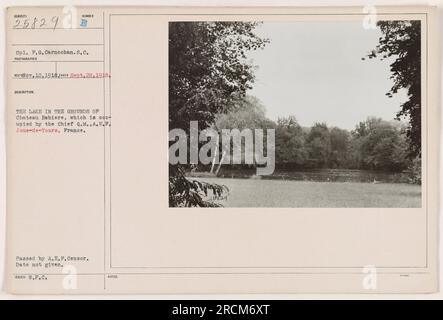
{"points": [[34, 23], [55, 21]]}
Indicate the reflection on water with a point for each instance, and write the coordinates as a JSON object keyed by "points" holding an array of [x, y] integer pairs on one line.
{"points": [[319, 175]]}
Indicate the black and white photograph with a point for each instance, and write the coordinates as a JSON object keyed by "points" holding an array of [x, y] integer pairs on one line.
{"points": [[295, 114]]}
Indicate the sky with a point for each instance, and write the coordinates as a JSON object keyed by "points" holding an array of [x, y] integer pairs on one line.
{"points": [[313, 71]]}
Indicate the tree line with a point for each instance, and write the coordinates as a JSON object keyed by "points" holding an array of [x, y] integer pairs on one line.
{"points": [[374, 144]]}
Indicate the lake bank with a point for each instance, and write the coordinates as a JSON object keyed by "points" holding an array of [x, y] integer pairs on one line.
{"points": [[317, 175]]}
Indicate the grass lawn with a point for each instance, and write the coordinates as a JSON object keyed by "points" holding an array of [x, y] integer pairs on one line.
{"points": [[308, 194]]}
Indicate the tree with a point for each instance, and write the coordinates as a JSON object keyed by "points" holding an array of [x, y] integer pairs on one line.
{"points": [[380, 145], [208, 70], [290, 142], [319, 145], [340, 140], [247, 113], [402, 40], [208, 73]]}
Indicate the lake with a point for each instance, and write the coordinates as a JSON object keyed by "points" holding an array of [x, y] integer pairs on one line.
{"points": [[323, 175]]}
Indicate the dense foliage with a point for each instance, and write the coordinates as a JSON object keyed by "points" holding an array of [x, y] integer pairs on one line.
{"points": [[373, 144], [208, 74], [185, 192], [401, 40], [208, 69]]}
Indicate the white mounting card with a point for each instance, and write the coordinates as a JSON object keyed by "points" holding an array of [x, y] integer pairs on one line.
{"points": [[222, 149]]}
